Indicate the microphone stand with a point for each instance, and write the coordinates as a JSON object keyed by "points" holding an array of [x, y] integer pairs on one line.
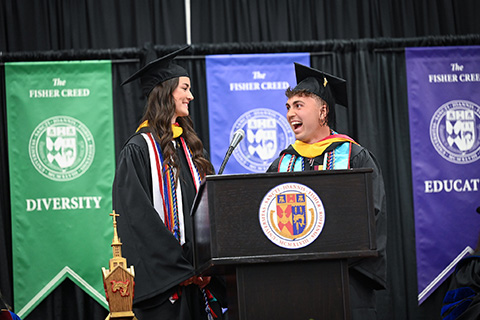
{"points": [[237, 137], [227, 156]]}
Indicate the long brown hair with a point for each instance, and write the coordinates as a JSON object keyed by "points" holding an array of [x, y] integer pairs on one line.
{"points": [[159, 113]]}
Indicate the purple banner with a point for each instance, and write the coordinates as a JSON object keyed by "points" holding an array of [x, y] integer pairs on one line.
{"points": [[444, 98]]}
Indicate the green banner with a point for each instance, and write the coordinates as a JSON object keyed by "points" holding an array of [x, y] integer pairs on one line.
{"points": [[62, 162]]}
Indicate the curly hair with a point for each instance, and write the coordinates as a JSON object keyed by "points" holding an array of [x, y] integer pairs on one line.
{"points": [[159, 112]]}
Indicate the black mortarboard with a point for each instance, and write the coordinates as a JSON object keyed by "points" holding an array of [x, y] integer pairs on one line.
{"points": [[330, 88], [159, 70]]}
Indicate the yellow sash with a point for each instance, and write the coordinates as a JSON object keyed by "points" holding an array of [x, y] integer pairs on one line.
{"points": [[313, 150], [176, 129]]}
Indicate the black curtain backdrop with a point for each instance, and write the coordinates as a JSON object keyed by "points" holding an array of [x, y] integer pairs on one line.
{"points": [[92, 24], [377, 118], [89, 24], [284, 20], [360, 40]]}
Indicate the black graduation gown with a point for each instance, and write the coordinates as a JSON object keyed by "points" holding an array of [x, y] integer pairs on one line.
{"points": [[160, 262], [462, 300], [368, 274]]}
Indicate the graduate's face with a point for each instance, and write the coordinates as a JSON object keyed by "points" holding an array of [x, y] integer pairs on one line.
{"points": [[182, 96], [307, 118]]}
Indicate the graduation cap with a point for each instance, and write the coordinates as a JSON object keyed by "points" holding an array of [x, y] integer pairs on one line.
{"points": [[330, 88], [158, 71]]}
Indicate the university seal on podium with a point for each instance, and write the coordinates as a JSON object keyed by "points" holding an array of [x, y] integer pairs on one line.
{"points": [[291, 215]]}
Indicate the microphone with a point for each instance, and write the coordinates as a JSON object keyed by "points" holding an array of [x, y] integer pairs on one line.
{"points": [[237, 137]]}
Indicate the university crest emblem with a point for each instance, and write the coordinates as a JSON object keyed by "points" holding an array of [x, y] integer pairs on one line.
{"points": [[460, 127], [61, 148], [292, 215], [455, 131], [61, 144], [267, 132]]}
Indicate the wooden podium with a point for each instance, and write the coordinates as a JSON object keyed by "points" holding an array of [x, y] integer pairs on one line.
{"points": [[265, 280]]}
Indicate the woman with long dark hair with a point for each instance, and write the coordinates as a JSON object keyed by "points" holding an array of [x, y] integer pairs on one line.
{"points": [[158, 175]]}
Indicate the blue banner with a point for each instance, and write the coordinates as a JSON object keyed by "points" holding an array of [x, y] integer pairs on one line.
{"points": [[248, 92], [444, 99]]}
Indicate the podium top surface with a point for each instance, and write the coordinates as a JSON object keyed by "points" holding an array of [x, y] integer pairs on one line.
{"points": [[292, 174]]}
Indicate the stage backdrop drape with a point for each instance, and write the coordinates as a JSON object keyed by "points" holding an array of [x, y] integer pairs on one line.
{"points": [[377, 118], [61, 161], [215, 21], [90, 24], [444, 98]]}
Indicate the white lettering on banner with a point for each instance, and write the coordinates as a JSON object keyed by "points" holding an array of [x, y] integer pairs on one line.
{"points": [[75, 93], [44, 93], [452, 77], [55, 93], [470, 77], [456, 67], [463, 77], [244, 86], [275, 85], [258, 75], [253, 86], [435, 78], [451, 185], [63, 203]]}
